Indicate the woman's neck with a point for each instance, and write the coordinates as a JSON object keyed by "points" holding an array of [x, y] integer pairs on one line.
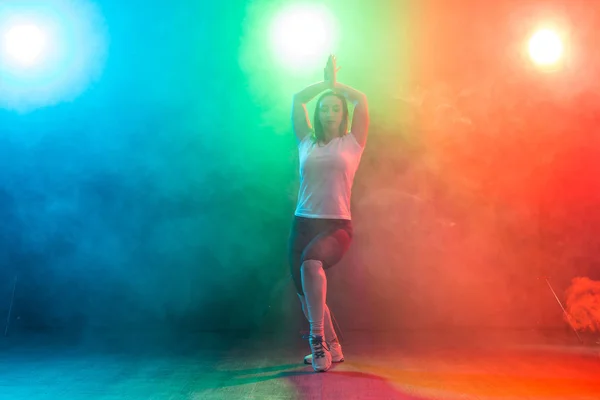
{"points": [[329, 135]]}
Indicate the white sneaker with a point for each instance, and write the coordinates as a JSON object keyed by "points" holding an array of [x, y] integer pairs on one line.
{"points": [[320, 356], [335, 349]]}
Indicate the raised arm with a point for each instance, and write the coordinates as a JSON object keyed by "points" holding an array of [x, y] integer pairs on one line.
{"points": [[360, 119], [300, 118]]}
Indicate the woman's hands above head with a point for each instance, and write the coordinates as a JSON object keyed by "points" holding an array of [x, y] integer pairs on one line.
{"points": [[330, 72]]}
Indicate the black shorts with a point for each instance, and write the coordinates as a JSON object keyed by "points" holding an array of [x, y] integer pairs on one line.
{"points": [[325, 240]]}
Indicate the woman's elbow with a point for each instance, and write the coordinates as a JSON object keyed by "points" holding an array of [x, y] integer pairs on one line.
{"points": [[362, 101]]}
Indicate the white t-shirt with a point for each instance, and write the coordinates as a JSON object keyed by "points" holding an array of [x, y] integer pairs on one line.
{"points": [[326, 176]]}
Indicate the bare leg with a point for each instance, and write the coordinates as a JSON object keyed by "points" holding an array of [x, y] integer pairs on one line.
{"points": [[314, 284], [330, 335]]}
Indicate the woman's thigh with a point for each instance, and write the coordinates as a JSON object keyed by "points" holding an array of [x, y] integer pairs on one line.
{"points": [[328, 247]]}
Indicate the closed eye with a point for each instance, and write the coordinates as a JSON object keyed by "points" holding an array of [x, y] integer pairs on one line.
{"points": [[335, 109]]}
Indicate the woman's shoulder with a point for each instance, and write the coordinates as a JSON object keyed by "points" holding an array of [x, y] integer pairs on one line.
{"points": [[306, 141], [350, 139]]}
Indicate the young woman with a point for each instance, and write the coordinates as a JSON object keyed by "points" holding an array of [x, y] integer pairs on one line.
{"points": [[322, 229]]}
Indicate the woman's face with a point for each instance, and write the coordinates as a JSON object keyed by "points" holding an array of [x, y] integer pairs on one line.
{"points": [[331, 113]]}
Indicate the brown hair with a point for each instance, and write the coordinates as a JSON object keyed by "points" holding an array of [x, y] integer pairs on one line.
{"points": [[319, 134]]}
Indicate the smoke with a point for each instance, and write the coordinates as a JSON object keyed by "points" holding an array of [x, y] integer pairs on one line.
{"points": [[164, 195], [583, 304]]}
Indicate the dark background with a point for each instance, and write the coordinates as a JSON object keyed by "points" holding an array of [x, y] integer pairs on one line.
{"points": [[162, 197]]}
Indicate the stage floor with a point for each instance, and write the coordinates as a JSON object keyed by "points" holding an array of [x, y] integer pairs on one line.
{"points": [[415, 365]]}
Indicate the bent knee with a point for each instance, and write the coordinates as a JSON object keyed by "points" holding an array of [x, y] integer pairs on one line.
{"points": [[312, 267]]}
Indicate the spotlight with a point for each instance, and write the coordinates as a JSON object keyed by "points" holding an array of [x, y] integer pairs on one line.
{"points": [[302, 36], [545, 47], [50, 51], [25, 44]]}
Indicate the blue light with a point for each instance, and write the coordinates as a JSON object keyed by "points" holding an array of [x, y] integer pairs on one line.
{"points": [[50, 52], [25, 44]]}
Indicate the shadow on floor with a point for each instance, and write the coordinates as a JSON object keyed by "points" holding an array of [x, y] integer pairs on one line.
{"points": [[305, 383]]}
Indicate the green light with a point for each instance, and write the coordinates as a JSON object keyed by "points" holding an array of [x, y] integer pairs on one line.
{"points": [[302, 36]]}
